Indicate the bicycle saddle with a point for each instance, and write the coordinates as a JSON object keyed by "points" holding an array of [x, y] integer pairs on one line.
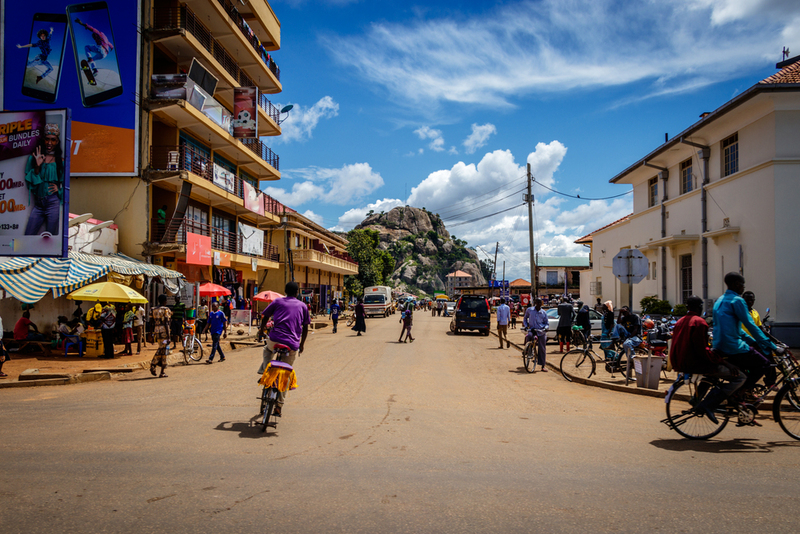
{"points": [[278, 346]]}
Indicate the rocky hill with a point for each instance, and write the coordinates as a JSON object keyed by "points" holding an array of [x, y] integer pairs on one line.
{"points": [[422, 248]]}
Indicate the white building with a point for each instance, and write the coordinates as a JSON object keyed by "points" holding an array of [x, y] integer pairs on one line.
{"points": [[718, 197]]}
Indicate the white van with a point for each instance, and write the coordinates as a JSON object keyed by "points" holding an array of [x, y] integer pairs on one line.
{"points": [[378, 301]]}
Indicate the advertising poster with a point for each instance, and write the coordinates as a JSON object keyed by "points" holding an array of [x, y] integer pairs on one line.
{"points": [[245, 112], [83, 56], [224, 179], [252, 240], [34, 182], [252, 198], [198, 249]]}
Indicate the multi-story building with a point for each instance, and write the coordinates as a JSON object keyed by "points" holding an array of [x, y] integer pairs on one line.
{"points": [[196, 204], [456, 280], [317, 260], [716, 198]]}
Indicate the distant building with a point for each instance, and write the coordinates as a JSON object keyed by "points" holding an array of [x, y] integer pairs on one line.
{"points": [[457, 280]]}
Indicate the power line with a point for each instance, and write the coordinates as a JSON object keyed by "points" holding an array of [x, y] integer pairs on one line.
{"points": [[580, 197], [487, 216]]}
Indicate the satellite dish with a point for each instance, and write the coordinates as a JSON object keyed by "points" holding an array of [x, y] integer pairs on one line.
{"points": [[101, 226], [75, 221], [286, 109]]}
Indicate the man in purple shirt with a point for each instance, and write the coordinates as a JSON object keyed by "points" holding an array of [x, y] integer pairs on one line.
{"points": [[291, 319]]}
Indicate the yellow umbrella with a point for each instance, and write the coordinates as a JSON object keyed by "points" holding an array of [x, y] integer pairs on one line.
{"points": [[107, 292], [441, 297]]}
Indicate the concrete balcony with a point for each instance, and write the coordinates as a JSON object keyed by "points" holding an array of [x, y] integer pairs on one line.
{"points": [[212, 36], [251, 154], [323, 261]]}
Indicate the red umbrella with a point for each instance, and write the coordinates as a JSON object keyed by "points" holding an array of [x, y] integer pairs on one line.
{"points": [[268, 296], [213, 290]]}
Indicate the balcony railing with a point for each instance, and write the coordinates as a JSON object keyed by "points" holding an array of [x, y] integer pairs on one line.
{"points": [[174, 18], [257, 147], [335, 253], [185, 157], [254, 41], [221, 240], [299, 255]]}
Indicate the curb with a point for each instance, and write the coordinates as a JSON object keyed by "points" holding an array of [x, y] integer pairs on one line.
{"points": [[603, 385], [174, 358]]}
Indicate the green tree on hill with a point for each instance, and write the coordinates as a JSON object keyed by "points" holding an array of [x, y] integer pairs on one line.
{"points": [[375, 266]]}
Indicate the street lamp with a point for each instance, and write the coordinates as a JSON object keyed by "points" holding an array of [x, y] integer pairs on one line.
{"points": [[284, 109]]}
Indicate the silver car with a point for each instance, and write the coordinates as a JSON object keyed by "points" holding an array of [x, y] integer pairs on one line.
{"points": [[595, 319]]}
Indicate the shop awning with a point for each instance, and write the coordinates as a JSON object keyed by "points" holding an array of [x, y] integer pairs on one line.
{"points": [[29, 279]]}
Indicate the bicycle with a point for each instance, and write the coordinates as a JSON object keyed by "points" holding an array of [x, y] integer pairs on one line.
{"points": [[269, 393], [192, 347], [582, 362], [684, 418], [349, 319], [530, 352]]}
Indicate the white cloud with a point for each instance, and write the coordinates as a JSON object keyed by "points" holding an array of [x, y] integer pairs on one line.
{"points": [[331, 186], [526, 48], [353, 217], [545, 160], [301, 122], [313, 216], [437, 141], [479, 137]]}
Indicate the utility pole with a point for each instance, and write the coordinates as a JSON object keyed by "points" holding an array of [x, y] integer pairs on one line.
{"points": [[503, 281], [529, 199], [494, 270]]}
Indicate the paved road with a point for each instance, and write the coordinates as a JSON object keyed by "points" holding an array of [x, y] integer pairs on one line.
{"points": [[447, 434]]}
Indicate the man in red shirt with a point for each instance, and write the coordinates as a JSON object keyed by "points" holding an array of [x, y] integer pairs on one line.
{"points": [[691, 354], [22, 329]]}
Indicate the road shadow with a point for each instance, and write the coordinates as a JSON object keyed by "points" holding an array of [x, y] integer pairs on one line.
{"points": [[519, 371], [719, 446], [248, 430]]}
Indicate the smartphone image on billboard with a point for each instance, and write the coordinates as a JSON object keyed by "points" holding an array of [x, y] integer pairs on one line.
{"points": [[95, 52], [42, 76]]}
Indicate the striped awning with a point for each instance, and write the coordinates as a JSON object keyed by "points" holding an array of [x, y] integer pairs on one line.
{"points": [[123, 264], [79, 275], [29, 279], [17, 265], [31, 285]]}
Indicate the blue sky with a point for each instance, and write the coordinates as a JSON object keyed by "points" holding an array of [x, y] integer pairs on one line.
{"points": [[441, 105]]}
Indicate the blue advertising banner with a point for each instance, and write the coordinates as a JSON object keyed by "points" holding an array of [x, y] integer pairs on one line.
{"points": [[34, 182], [82, 56]]}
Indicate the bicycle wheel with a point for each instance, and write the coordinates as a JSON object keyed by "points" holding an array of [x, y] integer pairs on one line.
{"points": [[268, 410], [578, 363], [785, 410], [683, 419], [529, 357], [194, 349], [622, 366], [350, 321], [263, 400]]}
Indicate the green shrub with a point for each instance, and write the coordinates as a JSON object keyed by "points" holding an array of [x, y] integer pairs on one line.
{"points": [[680, 310], [655, 305]]}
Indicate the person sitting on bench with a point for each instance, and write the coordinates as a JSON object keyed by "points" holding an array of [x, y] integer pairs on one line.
{"points": [[22, 330]]}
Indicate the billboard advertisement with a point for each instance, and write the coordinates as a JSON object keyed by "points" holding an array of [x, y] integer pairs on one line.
{"points": [[85, 57], [252, 198], [245, 112], [198, 249], [34, 182], [252, 240]]}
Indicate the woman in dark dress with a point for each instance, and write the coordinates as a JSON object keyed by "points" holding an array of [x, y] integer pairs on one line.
{"points": [[361, 324]]}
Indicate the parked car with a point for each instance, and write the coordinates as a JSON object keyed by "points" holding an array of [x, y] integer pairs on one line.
{"points": [[450, 308], [595, 319], [472, 312]]}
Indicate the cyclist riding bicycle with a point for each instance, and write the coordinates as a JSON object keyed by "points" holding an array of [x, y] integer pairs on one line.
{"points": [[291, 319], [536, 322], [691, 354]]}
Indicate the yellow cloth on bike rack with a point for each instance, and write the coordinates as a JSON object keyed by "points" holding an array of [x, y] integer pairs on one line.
{"points": [[281, 379]]}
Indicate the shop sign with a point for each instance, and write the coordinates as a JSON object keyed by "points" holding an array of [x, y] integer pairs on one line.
{"points": [[198, 249]]}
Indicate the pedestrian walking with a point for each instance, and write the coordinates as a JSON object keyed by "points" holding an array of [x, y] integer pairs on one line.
{"points": [[138, 327], [202, 317], [406, 318], [503, 316], [335, 311], [361, 324], [217, 323], [161, 317], [127, 329], [566, 314]]}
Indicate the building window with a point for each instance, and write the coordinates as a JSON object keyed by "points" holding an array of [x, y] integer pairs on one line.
{"points": [[730, 155], [687, 182], [686, 277], [654, 270], [652, 192]]}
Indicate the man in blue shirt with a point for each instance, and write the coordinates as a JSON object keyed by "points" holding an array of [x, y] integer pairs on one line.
{"points": [[335, 311], [730, 313], [503, 315], [536, 321], [217, 323]]}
